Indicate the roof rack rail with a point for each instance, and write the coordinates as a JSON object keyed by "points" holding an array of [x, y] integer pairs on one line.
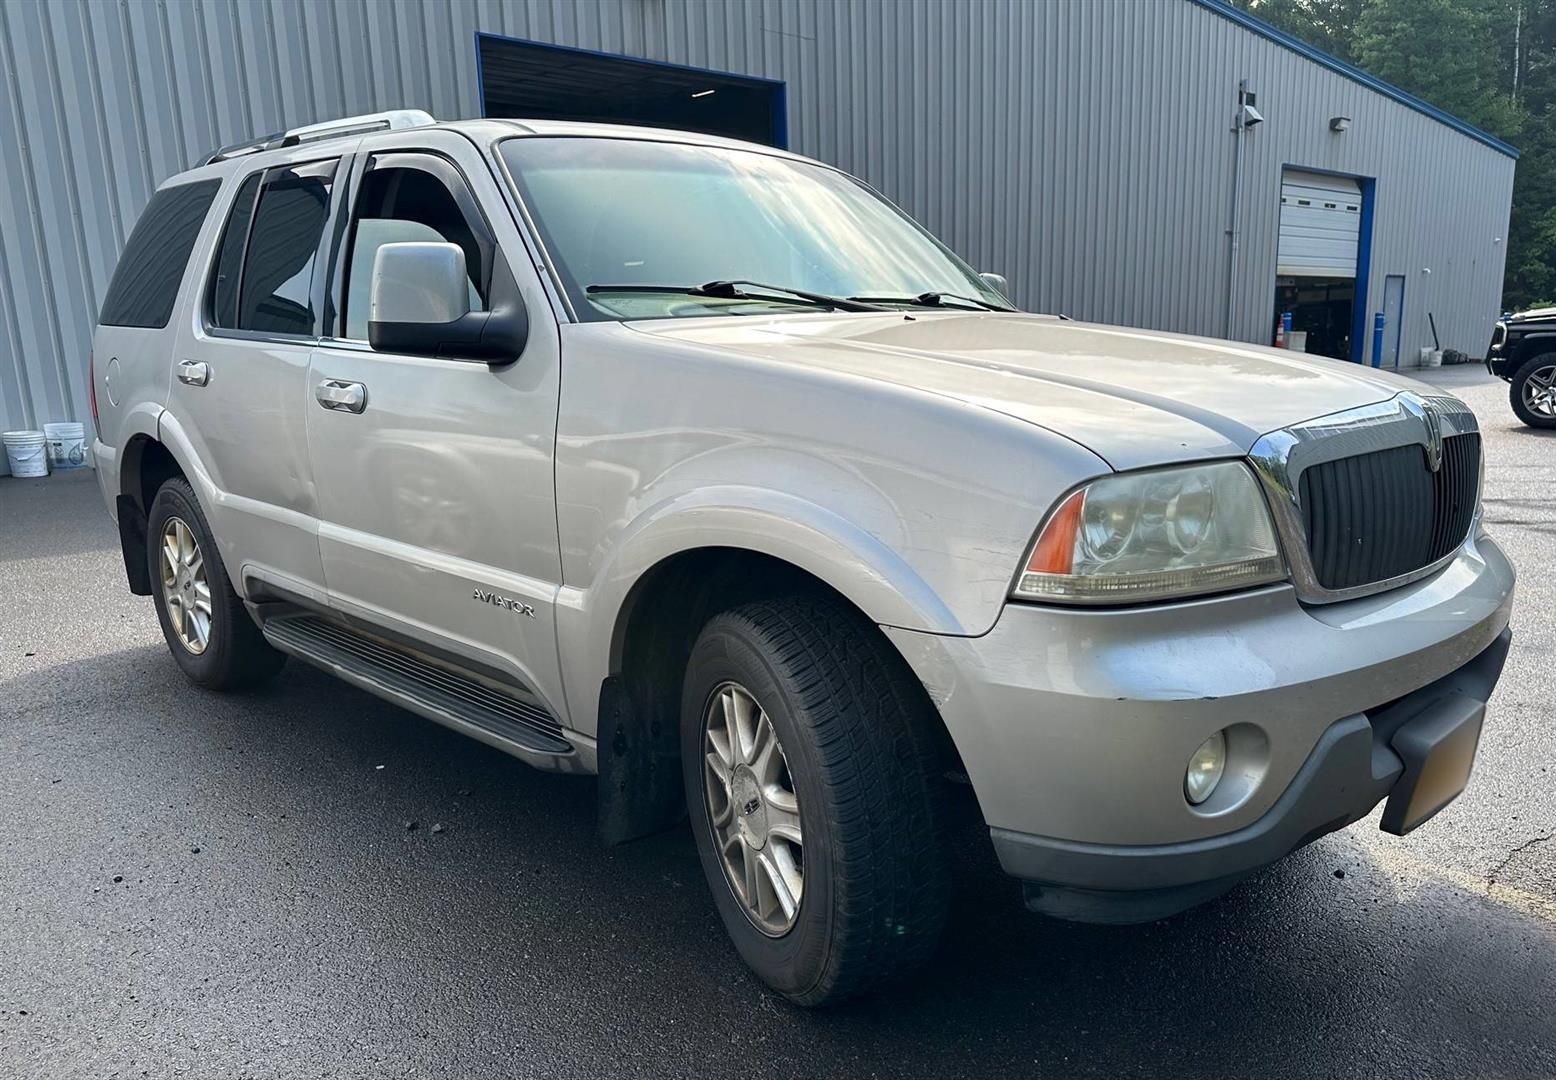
{"points": [[329, 129]]}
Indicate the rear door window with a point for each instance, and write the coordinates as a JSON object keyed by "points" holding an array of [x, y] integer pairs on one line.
{"points": [[145, 286], [223, 311], [275, 285]]}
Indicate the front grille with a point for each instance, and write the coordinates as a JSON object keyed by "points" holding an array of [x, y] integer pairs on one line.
{"points": [[1380, 515]]}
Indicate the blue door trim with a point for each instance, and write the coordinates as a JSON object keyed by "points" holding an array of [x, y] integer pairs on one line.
{"points": [[1359, 321]]}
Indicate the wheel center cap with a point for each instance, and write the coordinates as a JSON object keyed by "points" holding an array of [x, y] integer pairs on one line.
{"points": [[750, 809]]}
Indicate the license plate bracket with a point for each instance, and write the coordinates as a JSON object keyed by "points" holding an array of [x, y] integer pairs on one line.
{"points": [[1438, 750]]}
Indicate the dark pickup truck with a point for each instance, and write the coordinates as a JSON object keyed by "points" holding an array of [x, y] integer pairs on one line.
{"points": [[1523, 351]]}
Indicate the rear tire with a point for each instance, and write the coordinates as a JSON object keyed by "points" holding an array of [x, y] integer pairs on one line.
{"points": [[207, 628], [852, 727], [1533, 392]]}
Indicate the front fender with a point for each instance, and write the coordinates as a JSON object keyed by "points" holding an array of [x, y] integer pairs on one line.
{"points": [[817, 540], [1533, 344]]}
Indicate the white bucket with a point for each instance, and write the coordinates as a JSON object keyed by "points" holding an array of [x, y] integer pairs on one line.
{"points": [[67, 445], [27, 452]]}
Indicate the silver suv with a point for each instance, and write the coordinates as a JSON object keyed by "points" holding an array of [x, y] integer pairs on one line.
{"points": [[700, 467]]}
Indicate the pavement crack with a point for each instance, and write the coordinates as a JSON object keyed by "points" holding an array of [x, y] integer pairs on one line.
{"points": [[1519, 850]]}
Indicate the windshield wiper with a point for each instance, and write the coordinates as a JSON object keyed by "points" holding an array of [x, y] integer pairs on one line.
{"points": [[729, 290], [932, 299]]}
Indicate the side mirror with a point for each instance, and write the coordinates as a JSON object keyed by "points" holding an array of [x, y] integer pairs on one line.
{"points": [[998, 283], [419, 303]]}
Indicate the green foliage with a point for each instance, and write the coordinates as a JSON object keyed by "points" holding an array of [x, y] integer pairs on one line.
{"points": [[1491, 63], [1328, 24], [1443, 51]]}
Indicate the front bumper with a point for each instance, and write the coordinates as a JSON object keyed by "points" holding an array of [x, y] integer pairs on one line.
{"points": [[1358, 762], [1075, 726]]}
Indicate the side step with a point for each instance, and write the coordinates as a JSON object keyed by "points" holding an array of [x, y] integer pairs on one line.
{"points": [[431, 690]]}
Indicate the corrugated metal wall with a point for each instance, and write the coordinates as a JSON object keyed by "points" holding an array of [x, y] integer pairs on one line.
{"points": [[1081, 147]]}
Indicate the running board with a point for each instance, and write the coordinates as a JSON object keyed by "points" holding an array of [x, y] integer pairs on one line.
{"points": [[434, 691]]}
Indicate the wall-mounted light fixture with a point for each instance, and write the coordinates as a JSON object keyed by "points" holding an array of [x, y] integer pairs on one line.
{"points": [[703, 93], [1339, 123]]}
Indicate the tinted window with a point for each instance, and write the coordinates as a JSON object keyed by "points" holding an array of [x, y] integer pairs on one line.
{"points": [[399, 205], [145, 286], [276, 291], [229, 256]]}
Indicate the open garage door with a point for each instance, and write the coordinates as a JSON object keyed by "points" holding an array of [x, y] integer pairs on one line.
{"points": [[1316, 260], [1320, 225], [528, 79]]}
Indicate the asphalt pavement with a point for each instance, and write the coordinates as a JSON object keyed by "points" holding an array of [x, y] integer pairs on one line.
{"points": [[230, 886]]}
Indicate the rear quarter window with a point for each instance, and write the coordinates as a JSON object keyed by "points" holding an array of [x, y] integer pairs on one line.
{"points": [[145, 285]]}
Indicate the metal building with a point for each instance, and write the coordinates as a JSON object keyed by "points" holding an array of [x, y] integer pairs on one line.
{"points": [[1088, 149]]}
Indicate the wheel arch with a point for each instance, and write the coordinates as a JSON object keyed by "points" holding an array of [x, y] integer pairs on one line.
{"points": [[658, 622], [145, 464]]}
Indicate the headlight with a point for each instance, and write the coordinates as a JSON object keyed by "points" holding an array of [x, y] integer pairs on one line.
{"points": [[1153, 535]]}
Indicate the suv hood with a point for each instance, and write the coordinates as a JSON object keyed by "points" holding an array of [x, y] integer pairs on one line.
{"points": [[1533, 315], [1133, 397]]}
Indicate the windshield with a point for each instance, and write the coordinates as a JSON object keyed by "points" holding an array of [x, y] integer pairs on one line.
{"points": [[624, 212]]}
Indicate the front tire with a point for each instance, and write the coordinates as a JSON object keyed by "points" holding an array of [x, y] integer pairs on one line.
{"points": [[811, 787], [1533, 391], [204, 621]]}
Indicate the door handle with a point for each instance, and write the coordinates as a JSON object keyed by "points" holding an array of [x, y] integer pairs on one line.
{"points": [[341, 396], [194, 372]]}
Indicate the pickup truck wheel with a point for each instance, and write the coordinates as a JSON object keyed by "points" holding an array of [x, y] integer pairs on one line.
{"points": [[811, 792], [1533, 392], [207, 628]]}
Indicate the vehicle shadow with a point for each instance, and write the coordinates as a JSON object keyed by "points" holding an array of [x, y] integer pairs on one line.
{"points": [[508, 939], [1524, 430]]}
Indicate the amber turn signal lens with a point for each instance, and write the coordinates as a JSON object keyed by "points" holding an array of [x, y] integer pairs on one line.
{"points": [[1054, 552]]}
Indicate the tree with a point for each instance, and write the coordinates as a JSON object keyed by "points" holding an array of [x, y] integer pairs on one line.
{"points": [[1327, 24], [1531, 253], [1444, 51]]}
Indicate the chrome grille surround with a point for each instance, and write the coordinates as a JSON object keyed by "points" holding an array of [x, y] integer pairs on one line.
{"points": [[1280, 457]]}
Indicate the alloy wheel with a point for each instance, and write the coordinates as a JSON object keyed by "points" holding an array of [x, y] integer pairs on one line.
{"points": [[754, 810], [1540, 391], [186, 592]]}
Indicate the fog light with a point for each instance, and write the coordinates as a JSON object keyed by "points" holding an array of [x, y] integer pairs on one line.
{"points": [[1205, 769]]}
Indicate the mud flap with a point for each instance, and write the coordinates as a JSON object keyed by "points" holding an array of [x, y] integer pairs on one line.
{"points": [[640, 786], [132, 544]]}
